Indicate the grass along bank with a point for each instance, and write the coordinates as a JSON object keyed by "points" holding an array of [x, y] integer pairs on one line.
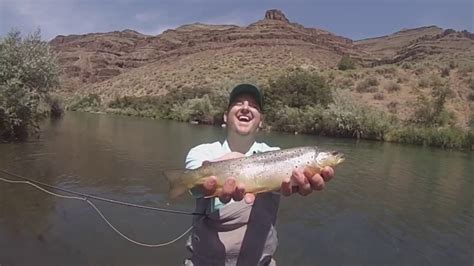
{"points": [[305, 102]]}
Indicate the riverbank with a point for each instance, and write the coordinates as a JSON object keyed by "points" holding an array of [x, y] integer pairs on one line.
{"points": [[444, 137], [304, 102]]}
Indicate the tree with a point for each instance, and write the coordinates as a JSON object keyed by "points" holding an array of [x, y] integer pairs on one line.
{"points": [[28, 72]]}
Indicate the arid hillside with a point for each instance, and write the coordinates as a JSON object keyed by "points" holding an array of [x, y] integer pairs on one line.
{"points": [[392, 71]]}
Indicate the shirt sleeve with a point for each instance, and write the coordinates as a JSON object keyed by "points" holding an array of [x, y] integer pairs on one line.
{"points": [[196, 156], [264, 148]]}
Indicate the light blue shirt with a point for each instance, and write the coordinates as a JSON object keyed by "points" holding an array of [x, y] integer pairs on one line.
{"points": [[212, 151]]}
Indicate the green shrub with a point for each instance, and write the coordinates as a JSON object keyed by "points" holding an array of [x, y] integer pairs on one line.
{"points": [[470, 83], [348, 119], [379, 96], [367, 85], [185, 104], [302, 120], [407, 65], [392, 86], [386, 71], [470, 96], [424, 82], [445, 72], [28, 72], [347, 83], [452, 64], [56, 105], [445, 137], [346, 63], [296, 89], [91, 102], [431, 111], [466, 68], [197, 109], [392, 107]]}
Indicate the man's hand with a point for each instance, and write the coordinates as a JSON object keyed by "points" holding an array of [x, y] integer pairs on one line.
{"points": [[303, 182]]}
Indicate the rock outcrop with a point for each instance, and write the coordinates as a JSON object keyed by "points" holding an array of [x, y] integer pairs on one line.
{"points": [[275, 14]]}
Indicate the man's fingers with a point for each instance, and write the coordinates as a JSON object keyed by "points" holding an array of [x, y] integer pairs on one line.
{"points": [[317, 182], [249, 198], [239, 192], [286, 187], [209, 186], [327, 173], [302, 182], [227, 190]]}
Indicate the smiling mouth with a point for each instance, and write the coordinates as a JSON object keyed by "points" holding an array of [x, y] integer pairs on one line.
{"points": [[244, 118]]}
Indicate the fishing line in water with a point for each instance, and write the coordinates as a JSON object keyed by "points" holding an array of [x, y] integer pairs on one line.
{"points": [[99, 198], [86, 197]]}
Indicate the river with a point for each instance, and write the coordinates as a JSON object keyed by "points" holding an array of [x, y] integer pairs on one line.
{"points": [[389, 204]]}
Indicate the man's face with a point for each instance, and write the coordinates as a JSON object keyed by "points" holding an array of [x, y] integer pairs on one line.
{"points": [[243, 115]]}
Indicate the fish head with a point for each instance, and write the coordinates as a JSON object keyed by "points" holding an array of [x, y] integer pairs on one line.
{"points": [[331, 158]]}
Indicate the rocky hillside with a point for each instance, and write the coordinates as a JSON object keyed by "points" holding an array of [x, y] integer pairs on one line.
{"points": [[127, 63]]}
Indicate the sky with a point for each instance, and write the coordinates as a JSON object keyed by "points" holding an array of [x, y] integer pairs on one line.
{"points": [[355, 19]]}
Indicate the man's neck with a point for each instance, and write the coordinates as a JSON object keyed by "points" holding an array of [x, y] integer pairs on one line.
{"points": [[240, 144]]}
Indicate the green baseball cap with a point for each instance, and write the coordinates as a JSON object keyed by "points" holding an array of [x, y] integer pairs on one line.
{"points": [[246, 89]]}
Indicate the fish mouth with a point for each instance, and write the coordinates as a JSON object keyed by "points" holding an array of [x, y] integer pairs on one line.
{"points": [[339, 156]]}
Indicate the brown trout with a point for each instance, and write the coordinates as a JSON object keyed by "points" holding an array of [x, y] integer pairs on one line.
{"points": [[262, 172]]}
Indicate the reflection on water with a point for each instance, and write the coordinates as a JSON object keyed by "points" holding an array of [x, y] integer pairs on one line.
{"points": [[389, 204]]}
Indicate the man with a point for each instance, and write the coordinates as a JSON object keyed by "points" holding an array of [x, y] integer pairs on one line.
{"points": [[240, 227]]}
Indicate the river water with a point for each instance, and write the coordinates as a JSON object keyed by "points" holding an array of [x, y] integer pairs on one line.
{"points": [[388, 205]]}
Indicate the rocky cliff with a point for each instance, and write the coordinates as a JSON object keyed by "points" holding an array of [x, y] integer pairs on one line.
{"points": [[128, 63]]}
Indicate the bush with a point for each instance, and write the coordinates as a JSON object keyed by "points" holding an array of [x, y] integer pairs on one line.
{"points": [[466, 68], [424, 82], [386, 71], [379, 96], [303, 120], [197, 109], [91, 102], [392, 107], [392, 86], [367, 85], [346, 63], [470, 83], [470, 96], [430, 136], [445, 72], [56, 105], [296, 89], [203, 105], [431, 111], [28, 72], [348, 119]]}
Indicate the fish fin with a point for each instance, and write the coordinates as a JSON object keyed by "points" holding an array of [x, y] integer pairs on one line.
{"points": [[177, 186]]}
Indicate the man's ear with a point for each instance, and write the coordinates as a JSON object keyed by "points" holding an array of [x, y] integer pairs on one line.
{"points": [[225, 117], [260, 124]]}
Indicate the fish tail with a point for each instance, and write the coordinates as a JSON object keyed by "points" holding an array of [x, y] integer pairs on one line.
{"points": [[177, 186]]}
